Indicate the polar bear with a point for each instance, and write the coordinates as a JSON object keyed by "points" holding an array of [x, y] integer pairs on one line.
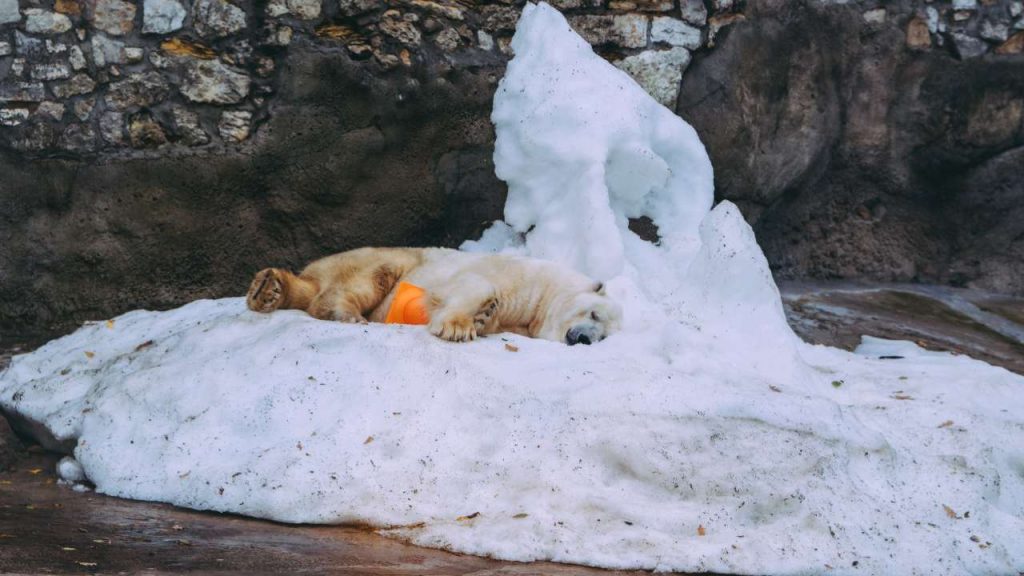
{"points": [[467, 294]]}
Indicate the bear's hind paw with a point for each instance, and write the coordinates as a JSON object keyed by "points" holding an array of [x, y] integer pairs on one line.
{"points": [[266, 293]]}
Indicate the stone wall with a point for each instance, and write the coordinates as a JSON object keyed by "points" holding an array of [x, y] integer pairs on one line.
{"points": [[88, 77], [158, 151]]}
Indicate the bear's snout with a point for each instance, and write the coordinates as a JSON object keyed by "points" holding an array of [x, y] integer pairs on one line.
{"points": [[581, 335]]}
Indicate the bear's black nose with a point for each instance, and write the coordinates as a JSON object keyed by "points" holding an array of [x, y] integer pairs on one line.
{"points": [[577, 336]]}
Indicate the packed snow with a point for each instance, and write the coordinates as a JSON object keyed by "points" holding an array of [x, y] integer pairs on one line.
{"points": [[703, 437]]}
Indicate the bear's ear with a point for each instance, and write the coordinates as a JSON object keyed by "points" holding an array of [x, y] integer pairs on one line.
{"points": [[599, 288]]}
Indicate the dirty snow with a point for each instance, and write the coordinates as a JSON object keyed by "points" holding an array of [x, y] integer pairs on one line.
{"points": [[703, 437]]}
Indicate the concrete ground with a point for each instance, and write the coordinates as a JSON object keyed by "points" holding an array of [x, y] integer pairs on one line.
{"points": [[46, 528]]}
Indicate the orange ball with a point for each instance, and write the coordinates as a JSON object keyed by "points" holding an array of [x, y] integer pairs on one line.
{"points": [[409, 306]]}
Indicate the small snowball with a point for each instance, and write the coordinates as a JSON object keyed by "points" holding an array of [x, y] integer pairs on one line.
{"points": [[69, 470]]}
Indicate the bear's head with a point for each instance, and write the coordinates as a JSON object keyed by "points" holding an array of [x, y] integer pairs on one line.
{"points": [[583, 318]]}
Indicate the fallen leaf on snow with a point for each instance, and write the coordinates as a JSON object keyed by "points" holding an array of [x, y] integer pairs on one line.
{"points": [[511, 347], [521, 515], [700, 530], [110, 324], [774, 388], [468, 517], [946, 424], [368, 440], [144, 345], [89, 354], [901, 397], [950, 512]]}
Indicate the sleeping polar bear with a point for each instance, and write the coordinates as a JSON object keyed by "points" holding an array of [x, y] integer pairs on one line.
{"points": [[468, 294]]}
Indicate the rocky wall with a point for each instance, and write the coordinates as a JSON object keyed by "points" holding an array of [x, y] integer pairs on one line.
{"points": [[876, 141], [94, 77]]}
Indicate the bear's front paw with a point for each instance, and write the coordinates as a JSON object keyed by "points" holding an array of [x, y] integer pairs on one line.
{"points": [[454, 328], [266, 293]]}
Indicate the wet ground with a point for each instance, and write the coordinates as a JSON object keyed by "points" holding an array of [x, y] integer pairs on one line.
{"points": [[46, 528], [985, 326]]}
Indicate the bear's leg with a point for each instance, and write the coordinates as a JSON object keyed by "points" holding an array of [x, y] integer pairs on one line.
{"points": [[463, 308], [337, 304], [275, 289]]}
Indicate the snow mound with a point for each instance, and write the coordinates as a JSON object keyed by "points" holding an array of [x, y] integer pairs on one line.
{"points": [[703, 437]]}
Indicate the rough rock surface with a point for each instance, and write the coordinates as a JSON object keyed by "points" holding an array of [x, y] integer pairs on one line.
{"points": [[162, 16], [10, 446], [115, 17], [214, 18], [9, 11], [212, 81], [856, 154], [45, 22]]}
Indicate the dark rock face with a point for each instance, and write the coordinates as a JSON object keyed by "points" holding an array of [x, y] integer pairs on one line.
{"points": [[10, 447], [347, 159], [858, 154]]}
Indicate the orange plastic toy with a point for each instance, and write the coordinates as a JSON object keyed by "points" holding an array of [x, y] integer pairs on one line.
{"points": [[409, 306]]}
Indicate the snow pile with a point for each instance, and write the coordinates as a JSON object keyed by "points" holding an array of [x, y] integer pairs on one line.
{"points": [[704, 437], [574, 133]]}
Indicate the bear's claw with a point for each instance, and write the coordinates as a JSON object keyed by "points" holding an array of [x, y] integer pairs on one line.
{"points": [[483, 317]]}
